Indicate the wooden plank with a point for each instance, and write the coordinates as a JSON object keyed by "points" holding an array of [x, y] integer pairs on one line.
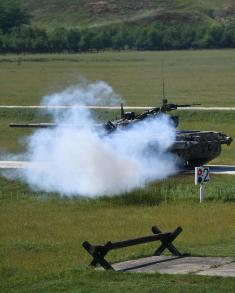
{"points": [[142, 240]]}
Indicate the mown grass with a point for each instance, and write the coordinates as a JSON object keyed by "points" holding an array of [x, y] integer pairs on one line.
{"points": [[81, 281], [205, 76], [41, 235], [174, 189]]}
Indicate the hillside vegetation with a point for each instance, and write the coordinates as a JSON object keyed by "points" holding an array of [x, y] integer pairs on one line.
{"points": [[51, 13], [81, 26]]}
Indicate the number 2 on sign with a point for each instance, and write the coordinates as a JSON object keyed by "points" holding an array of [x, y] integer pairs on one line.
{"points": [[206, 176]]}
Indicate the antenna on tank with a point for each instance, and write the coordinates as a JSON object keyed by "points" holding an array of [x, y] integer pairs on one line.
{"points": [[122, 111], [163, 80]]}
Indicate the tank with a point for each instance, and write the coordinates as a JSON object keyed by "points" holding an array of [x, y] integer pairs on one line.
{"points": [[192, 147]]}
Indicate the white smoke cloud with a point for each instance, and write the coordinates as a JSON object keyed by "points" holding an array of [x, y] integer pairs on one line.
{"points": [[78, 158], [97, 93]]}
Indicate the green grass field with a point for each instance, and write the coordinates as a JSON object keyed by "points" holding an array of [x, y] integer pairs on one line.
{"points": [[41, 234], [205, 77]]}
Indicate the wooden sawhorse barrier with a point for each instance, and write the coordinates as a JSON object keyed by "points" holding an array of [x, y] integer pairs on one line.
{"points": [[98, 252]]}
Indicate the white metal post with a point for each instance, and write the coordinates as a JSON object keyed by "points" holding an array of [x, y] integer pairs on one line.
{"points": [[202, 193]]}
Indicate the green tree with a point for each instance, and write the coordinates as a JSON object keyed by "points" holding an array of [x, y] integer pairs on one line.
{"points": [[229, 33], [40, 42], [85, 40], [96, 41], [106, 37], [117, 41], [58, 40], [199, 40], [12, 14], [73, 39], [171, 39], [1, 43], [155, 37], [187, 36], [214, 36]]}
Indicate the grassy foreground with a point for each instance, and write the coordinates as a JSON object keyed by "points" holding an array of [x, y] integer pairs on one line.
{"points": [[41, 236], [82, 281], [205, 76]]}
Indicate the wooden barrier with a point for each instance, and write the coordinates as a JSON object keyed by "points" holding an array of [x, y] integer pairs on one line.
{"points": [[98, 252]]}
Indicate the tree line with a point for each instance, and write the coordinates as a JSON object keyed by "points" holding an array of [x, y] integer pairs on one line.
{"points": [[17, 35]]}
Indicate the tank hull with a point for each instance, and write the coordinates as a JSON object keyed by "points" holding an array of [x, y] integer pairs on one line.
{"points": [[195, 148]]}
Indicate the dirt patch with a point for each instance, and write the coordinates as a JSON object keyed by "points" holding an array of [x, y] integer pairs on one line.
{"points": [[101, 7]]}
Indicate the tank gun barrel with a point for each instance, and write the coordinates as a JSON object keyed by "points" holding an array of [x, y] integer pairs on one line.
{"points": [[108, 126], [187, 105], [164, 108], [32, 125], [170, 107]]}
